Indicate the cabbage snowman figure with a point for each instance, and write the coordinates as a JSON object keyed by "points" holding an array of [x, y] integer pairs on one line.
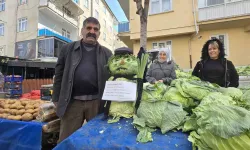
{"points": [[123, 66]]}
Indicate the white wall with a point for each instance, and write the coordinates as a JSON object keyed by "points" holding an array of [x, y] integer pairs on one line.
{"points": [[45, 21], [10, 16]]}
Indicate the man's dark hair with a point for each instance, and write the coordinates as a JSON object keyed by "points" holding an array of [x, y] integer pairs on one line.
{"points": [[204, 52], [91, 20]]}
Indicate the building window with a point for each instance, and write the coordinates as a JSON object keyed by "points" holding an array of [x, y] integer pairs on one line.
{"points": [[2, 5], [2, 53], [86, 3], [159, 6], [22, 2], [163, 44], [22, 24], [205, 3], [1, 29], [105, 23], [96, 14], [66, 33], [104, 9], [224, 39], [110, 30], [214, 2], [97, 1], [104, 36]]}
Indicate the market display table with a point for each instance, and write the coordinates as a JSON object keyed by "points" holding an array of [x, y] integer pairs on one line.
{"points": [[20, 135], [98, 134]]}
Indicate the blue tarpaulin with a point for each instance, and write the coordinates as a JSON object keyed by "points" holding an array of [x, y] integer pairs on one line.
{"points": [[19, 135], [98, 134]]}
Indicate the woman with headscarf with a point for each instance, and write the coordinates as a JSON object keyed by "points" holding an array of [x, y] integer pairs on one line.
{"points": [[161, 70], [214, 67]]}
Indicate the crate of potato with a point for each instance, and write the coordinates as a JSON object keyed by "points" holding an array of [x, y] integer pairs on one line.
{"points": [[19, 110]]}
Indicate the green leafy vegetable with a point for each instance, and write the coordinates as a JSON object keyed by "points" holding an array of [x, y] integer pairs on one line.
{"points": [[223, 120], [233, 92], [165, 115], [153, 92], [174, 95], [205, 140]]}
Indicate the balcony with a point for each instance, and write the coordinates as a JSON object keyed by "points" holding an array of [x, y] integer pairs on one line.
{"points": [[223, 10], [123, 27], [65, 9], [49, 33]]}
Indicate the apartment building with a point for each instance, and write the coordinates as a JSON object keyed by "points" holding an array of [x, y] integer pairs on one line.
{"points": [[184, 26], [37, 28], [100, 10], [32, 29]]}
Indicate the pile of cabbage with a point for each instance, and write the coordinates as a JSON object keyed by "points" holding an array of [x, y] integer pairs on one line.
{"points": [[217, 118], [243, 71]]}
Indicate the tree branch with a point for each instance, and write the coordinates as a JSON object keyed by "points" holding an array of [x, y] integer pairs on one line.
{"points": [[145, 12], [139, 7]]}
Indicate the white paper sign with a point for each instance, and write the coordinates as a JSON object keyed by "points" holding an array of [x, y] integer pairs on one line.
{"points": [[119, 91]]}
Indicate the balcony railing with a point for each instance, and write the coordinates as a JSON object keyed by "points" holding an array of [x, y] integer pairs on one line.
{"points": [[224, 10], [47, 32], [59, 11], [123, 27]]}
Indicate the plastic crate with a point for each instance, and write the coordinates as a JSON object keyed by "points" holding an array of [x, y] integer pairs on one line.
{"points": [[13, 96], [46, 98], [13, 79], [46, 93], [13, 85], [14, 92]]}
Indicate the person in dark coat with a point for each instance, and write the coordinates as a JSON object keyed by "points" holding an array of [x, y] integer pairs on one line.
{"points": [[214, 67], [161, 70], [80, 76]]}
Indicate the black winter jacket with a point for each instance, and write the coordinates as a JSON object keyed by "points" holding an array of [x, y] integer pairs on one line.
{"points": [[68, 60], [231, 78]]}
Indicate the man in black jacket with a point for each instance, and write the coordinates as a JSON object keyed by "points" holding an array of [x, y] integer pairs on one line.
{"points": [[80, 77]]}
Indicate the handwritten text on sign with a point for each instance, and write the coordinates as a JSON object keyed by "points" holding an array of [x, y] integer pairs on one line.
{"points": [[119, 91]]}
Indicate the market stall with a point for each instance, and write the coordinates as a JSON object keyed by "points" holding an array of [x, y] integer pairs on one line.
{"points": [[20, 135], [98, 134], [187, 113], [23, 123]]}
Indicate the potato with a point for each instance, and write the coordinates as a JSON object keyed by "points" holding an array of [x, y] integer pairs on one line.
{"points": [[7, 111], [11, 102], [31, 111], [35, 115], [1, 111], [13, 111], [5, 115], [36, 105], [27, 117], [1, 115], [20, 106], [18, 117], [13, 106], [29, 106], [20, 112], [24, 103], [36, 110], [2, 104], [6, 106], [18, 103], [11, 117]]}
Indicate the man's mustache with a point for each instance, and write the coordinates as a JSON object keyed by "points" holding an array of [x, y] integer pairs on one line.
{"points": [[91, 35]]}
